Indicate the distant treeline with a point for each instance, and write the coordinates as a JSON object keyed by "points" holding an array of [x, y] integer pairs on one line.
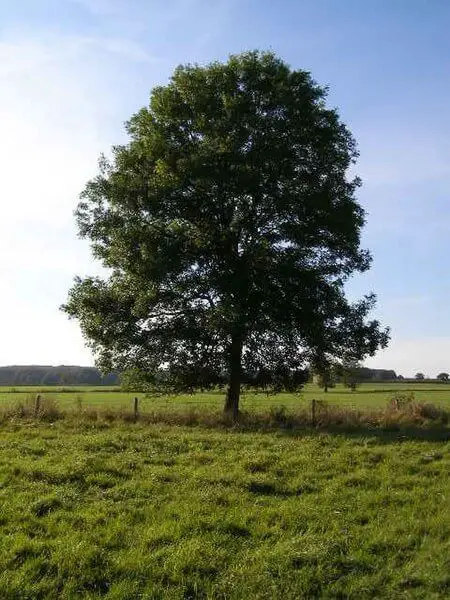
{"points": [[75, 375], [48, 375], [366, 374]]}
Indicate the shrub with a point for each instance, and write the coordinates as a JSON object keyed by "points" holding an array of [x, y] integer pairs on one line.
{"points": [[401, 401]]}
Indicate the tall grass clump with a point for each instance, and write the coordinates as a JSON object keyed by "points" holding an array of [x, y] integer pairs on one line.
{"points": [[39, 407]]}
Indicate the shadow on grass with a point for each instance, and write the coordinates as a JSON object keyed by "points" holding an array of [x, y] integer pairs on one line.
{"points": [[383, 435]]}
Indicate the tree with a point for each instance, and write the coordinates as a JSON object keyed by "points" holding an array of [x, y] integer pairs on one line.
{"points": [[419, 376], [351, 375], [325, 374], [229, 228], [325, 380], [443, 377]]}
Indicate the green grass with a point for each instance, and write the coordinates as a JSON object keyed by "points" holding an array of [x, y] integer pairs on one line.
{"points": [[128, 511], [367, 395]]}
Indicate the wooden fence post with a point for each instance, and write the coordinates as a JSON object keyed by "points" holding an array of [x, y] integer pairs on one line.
{"points": [[136, 409], [37, 404], [313, 412]]}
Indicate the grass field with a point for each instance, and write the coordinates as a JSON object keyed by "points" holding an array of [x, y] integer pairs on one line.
{"points": [[131, 511], [367, 395], [91, 508]]}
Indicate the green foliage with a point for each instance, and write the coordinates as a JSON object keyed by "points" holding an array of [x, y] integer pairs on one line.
{"points": [[229, 227], [325, 375], [419, 376], [351, 375], [442, 377], [325, 381], [125, 512]]}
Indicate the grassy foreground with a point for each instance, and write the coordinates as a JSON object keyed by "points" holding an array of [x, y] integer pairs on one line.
{"points": [[127, 511]]}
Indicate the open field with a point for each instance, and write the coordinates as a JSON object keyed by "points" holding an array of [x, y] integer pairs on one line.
{"points": [[367, 395], [92, 506], [128, 511]]}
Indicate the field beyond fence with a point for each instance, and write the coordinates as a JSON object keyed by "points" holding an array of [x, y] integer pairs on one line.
{"points": [[381, 407], [365, 396]]}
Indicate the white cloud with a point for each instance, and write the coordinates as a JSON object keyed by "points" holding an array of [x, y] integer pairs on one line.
{"points": [[123, 47]]}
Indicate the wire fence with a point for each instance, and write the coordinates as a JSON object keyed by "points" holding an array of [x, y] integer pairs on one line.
{"points": [[402, 409], [311, 405]]}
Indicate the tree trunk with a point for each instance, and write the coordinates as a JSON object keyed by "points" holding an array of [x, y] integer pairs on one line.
{"points": [[231, 407]]}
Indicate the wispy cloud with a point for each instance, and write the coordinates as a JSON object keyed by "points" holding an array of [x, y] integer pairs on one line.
{"points": [[55, 110], [121, 46], [47, 119], [138, 17], [134, 11], [101, 7]]}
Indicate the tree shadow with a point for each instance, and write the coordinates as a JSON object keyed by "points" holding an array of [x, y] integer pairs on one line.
{"points": [[383, 435]]}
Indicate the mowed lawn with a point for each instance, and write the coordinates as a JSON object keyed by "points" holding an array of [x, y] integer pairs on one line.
{"points": [[367, 395], [134, 511]]}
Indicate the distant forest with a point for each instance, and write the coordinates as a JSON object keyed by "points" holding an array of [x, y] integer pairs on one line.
{"points": [[75, 375], [366, 374], [48, 375]]}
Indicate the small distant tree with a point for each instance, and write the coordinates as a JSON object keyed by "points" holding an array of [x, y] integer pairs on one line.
{"points": [[443, 377], [324, 370], [351, 375], [419, 376], [400, 377], [326, 379]]}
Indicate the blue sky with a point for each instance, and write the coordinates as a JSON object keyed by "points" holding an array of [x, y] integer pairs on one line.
{"points": [[72, 71]]}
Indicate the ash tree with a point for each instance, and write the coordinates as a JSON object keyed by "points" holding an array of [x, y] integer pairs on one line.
{"points": [[228, 228]]}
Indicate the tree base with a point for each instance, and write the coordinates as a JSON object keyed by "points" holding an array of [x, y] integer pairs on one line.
{"points": [[231, 408]]}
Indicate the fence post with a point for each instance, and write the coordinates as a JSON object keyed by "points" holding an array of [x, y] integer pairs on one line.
{"points": [[313, 412], [136, 409], [37, 404]]}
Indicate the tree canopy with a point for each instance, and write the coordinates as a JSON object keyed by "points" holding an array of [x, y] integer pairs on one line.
{"points": [[229, 227]]}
